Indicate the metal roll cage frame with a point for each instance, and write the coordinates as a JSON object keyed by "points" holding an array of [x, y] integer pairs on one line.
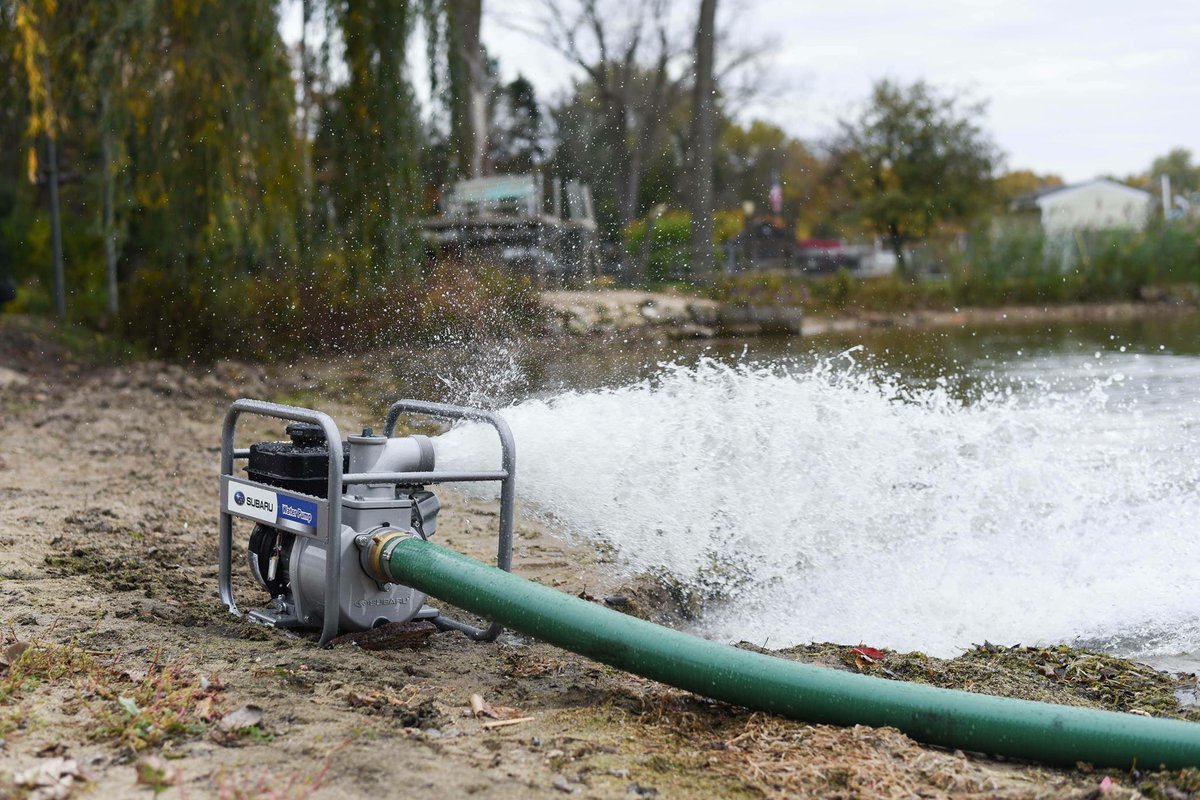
{"points": [[330, 510]]}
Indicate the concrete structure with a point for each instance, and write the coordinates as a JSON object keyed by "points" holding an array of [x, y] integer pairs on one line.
{"points": [[504, 220], [1093, 205]]}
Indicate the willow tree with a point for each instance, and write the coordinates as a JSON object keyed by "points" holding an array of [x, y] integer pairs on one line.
{"points": [[35, 43], [371, 138], [215, 173]]}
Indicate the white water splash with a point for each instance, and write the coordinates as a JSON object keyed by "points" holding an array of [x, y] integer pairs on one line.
{"points": [[825, 504]]}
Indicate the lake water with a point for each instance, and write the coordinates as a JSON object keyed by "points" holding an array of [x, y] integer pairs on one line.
{"points": [[919, 490]]}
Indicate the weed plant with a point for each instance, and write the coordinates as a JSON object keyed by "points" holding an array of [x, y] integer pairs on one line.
{"points": [[1014, 267]]}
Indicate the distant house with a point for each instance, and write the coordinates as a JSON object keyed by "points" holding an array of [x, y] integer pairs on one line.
{"points": [[1093, 205]]}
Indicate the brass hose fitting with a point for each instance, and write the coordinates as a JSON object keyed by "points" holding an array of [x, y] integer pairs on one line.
{"points": [[375, 550]]}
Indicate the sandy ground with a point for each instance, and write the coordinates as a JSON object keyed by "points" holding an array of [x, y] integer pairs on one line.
{"points": [[108, 543]]}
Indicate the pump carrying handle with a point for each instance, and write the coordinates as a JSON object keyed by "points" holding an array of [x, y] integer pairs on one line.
{"points": [[508, 488]]}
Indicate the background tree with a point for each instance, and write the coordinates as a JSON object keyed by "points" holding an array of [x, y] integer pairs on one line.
{"points": [[914, 158], [1011, 185], [702, 142], [468, 87], [1176, 165], [371, 140], [516, 141], [625, 49], [35, 40], [580, 153], [13, 115], [748, 157]]}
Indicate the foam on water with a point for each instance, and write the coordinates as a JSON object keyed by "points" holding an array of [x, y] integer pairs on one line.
{"points": [[836, 504]]}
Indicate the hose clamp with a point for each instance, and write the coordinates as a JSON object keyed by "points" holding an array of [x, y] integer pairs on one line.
{"points": [[378, 552]]}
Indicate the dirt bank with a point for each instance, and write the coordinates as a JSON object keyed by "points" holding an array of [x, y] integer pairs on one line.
{"points": [[108, 573]]}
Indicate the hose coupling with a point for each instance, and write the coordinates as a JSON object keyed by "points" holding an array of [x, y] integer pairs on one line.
{"points": [[375, 552]]}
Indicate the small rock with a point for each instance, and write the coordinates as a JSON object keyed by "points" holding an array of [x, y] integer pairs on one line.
{"points": [[10, 654], [704, 314], [10, 378], [577, 326], [241, 718], [690, 330], [432, 733], [563, 785], [642, 791]]}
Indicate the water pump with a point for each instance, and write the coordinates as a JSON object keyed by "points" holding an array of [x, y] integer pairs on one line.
{"points": [[325, 513], [340, 540]]}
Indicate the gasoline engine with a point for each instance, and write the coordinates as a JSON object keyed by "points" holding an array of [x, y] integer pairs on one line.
{"points": [[325, 513]]}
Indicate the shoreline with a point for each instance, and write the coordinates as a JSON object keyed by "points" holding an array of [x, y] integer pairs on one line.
{"points": [[673, 316], [1001, 315]]}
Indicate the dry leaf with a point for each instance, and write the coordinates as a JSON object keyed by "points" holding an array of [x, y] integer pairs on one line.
{"points": [[871, 654], [231, 727], [10, 654], [482, 708], [53, 779], [204, 709]]}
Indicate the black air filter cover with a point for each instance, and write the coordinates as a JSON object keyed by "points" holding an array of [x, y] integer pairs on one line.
{"points": [[301, 465]]}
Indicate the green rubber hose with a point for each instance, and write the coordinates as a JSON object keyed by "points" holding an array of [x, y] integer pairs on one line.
{"points": [[1051, 734]]}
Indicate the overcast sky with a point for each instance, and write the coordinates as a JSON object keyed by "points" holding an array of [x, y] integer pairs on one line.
{"points": [[1076, 87]]}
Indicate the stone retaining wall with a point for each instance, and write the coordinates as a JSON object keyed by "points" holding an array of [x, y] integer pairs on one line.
{"points": [[673, 316]]}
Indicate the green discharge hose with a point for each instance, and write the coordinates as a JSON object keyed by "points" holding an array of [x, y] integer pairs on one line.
{"points": [[1024, 729]]}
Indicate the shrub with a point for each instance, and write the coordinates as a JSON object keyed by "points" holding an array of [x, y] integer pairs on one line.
{"points": [[1019, 267], [268, 317], [670, 246]]}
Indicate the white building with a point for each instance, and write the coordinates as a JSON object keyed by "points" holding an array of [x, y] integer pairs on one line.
{"points": [[1094, 205]]}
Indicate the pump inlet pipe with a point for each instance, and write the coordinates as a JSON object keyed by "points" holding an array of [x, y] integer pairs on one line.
{"points": [[1052, 734]]}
